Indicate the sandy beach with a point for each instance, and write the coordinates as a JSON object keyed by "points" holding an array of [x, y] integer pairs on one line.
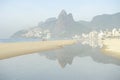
{"points": [[111, 47], [8, 50]]}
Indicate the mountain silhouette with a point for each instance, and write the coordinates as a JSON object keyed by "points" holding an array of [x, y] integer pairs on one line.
{"points": [[105, 21], [65, 25]]}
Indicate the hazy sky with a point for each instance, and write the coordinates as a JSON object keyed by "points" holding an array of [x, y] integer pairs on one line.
{"points": [[20, 14]]}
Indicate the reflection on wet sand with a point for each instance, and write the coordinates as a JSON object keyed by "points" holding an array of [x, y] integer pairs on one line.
{"points": [[111, 47], [66, 56], [8, 50]]}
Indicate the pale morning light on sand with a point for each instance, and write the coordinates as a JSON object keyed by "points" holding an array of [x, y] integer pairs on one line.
{"points": [[59, 40]]}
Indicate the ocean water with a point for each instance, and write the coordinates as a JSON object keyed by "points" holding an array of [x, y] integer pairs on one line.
{"points": [[18, 40], [76, 62]]}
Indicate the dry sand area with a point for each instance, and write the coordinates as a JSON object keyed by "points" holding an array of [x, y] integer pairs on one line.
{"points": [[8, 50], [111, 47]]}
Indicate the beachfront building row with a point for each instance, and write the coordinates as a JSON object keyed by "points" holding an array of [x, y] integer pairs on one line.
{"points": [[94, 38], [37, 33]]}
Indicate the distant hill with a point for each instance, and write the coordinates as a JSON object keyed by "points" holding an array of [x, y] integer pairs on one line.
{"points": [[105, 21], [65, 25]]}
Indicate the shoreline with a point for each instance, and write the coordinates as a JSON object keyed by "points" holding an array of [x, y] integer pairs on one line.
{"points": [[111, 47], [8, 50]]}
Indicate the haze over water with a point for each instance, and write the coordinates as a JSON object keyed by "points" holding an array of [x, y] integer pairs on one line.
{"points": [[16, 15], [76, 62], [70, 63]]}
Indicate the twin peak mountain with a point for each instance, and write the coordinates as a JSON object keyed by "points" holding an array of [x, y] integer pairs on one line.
{"points": [[60, 24], [65, 25]]}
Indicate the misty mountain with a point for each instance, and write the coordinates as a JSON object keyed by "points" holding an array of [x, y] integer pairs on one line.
{"points": [[18, 34], [105, 21], [65, 25]]}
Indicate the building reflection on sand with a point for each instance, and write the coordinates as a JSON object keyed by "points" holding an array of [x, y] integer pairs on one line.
{"points": [[66, 55]]}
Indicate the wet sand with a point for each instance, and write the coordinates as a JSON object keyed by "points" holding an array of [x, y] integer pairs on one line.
{"points": [[111, 47], [8, 50]]}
